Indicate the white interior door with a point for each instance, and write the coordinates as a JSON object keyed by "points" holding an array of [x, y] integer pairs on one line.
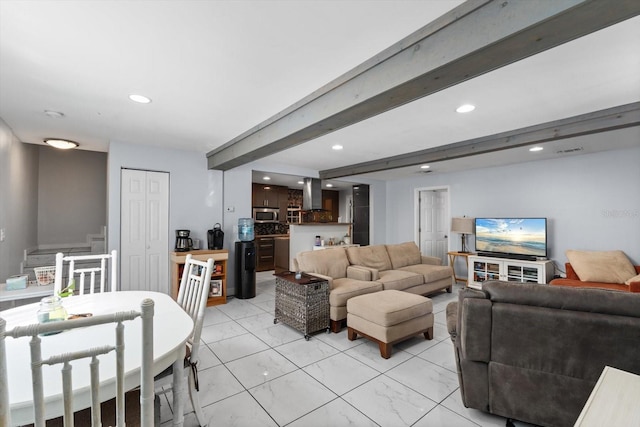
{"points": [[433, 229], [144, 231]]}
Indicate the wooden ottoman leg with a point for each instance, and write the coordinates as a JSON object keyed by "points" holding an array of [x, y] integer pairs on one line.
{"points": [[428, 335], [385, 349], [351, 333], [336, 326]]}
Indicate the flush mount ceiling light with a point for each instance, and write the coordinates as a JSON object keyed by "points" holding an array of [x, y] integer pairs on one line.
{"points": [[425, 167], [139, 98], [329, 185], [536, 148], [301, 182], [266, 178], [465, 108], [54, 114], [63, 144], [337, 147]]}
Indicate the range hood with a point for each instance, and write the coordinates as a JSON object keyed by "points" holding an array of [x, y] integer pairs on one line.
{"points": [[312, 194]]}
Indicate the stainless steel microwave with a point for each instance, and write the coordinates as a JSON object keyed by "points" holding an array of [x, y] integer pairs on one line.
{"points": [[265, 215]]}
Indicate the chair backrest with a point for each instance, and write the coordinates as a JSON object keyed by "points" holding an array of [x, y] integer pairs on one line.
{"points": [[34, 330], [80, 266], [193, 295]]}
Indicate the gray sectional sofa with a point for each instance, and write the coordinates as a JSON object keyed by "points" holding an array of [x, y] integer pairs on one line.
{"points": [[361, 270], [534, 352]]}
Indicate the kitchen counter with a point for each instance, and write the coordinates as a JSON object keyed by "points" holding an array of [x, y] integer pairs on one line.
{"points": [[303, 236]]}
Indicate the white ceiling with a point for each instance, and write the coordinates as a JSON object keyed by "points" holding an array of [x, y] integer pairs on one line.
{"points": [[214, 69]]}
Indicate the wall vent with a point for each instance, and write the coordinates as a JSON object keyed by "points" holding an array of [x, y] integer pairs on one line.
{"points": [[570, 150]]}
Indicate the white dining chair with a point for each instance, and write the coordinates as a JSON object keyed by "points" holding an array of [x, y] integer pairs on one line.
{"points": [[79, 267], [192, 297], [66, 359]]}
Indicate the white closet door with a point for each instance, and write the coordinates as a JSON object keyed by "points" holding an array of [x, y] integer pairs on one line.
{"points": [[144, 231], [433, 223]]}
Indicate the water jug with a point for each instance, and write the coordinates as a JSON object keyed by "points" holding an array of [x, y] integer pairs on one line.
{"points": [[245, 229]]}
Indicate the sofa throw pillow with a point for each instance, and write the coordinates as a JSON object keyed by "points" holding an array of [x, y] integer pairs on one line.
{"points": [[633, 279], [601, 266]]}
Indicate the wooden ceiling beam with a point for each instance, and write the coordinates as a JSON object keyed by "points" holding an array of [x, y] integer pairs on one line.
{"points": [[620, 117], [475, 38]]}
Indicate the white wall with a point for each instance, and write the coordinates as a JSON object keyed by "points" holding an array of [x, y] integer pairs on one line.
{"points": [[18, 200], [592, 201], [195, 193]]}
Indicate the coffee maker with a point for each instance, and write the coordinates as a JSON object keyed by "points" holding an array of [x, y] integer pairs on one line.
{"points": [[183, 242], [215, 237]]}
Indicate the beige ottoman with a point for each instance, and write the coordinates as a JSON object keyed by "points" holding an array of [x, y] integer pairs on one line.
{"points": [[388, 317]]}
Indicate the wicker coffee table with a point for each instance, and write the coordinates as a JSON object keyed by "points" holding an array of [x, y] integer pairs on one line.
{"points": [[302, 303]]}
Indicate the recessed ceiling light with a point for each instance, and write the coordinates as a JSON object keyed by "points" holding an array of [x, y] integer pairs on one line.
{"points": [[62, 144], [337, 147], [425, 167], [301, 182], [536, 148], [139, 98], [329, 185], [266, 178], [54, 114], [465, 108]]}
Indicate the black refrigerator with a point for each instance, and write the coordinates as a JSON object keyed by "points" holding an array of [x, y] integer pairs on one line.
{"points": [[245, 270]]}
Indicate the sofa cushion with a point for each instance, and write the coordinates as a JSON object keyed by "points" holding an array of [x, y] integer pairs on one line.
{"points": [[601, 266], [431, 273], [328, 262], [404, 254], [344, 288], [375, 256], [400, 280]]}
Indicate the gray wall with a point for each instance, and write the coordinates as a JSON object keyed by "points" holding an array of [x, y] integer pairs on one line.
{"points": [[18, 200], [72, 195], [592, 201]]}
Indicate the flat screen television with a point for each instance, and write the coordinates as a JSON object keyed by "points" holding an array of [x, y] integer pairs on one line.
{"points": [[519, 238]]}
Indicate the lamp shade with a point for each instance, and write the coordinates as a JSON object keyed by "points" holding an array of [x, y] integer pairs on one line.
{"points": [[462, 225]]}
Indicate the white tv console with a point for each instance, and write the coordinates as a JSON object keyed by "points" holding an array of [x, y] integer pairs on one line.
{"points": [[482, 268]]}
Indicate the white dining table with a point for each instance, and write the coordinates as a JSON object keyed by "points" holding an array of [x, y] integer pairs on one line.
{"points": [[172, 326]]}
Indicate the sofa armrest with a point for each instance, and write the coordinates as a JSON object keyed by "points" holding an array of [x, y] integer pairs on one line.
{"points": [[323, 277], [357, 272], [375, 275], [474, 329], [634, 287], [431, 260]]}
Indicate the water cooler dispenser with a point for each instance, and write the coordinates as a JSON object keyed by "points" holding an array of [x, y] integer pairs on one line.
{"points": [[245, 257]]}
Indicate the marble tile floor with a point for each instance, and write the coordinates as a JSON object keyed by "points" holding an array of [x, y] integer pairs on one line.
{"points": [[257, 373]]}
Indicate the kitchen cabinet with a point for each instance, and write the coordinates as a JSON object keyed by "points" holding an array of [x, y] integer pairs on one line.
{"points": [[330, 202], [220, 257], [264, 253], [283, 203], [281, 254], [266, 195]]}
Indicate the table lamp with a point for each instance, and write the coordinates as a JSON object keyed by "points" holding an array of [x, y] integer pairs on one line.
{"points": [[462, 226]]}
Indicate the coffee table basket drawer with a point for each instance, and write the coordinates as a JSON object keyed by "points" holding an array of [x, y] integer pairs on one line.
{"points": [[303, 307]]}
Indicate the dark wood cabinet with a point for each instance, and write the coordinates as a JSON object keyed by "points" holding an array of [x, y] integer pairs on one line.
{"points": [[266, 195], [265, 260], [283, 203], [330, 202]]}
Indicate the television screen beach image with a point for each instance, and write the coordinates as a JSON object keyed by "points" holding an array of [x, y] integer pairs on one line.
{"points": [[518, 236]]}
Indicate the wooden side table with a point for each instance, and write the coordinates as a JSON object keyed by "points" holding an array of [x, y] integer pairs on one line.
{"points": [[613, 401], [452, 260], [302, 303]]}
